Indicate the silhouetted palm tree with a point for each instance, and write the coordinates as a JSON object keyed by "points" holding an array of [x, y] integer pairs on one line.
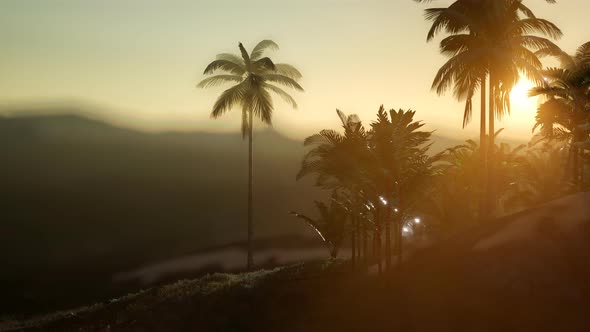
{"points": [[400, 169], [454, 201], [489, 38], [384, 171], [567, 111], [382, 180], [338, 162], [253, 76], [331, 224], [506, 166], [538, 177]]}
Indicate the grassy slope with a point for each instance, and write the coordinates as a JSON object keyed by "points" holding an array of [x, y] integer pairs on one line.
{"points": [[536, 279]]}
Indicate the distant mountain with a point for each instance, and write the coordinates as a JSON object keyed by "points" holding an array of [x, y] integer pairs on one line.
{"points": [[74, 188]]}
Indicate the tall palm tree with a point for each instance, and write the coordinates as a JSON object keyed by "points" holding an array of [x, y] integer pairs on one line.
{"points": [[567, 110], [489, 39], [382, 148], [459, 18], [338, 162], [399, 169], [414, 171], [254, 76]]}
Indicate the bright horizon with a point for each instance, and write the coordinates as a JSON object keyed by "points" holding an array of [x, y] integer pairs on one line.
{"points": [[141, 60]]}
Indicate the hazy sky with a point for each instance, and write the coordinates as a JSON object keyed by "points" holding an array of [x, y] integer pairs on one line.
{"points": [[139, 60]]}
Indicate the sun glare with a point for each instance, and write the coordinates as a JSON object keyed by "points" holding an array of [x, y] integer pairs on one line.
{"points": [[523, 107], [519, 95]]}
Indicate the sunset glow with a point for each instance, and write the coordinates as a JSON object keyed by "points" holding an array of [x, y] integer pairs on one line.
{"points": [[141, 69], [298, 166]]}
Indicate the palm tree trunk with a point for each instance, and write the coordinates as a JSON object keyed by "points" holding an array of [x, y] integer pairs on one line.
{"points": [[398, 227], [388, 239], [379, 256], [250, 264], [567, 175], [582, 168], [353, 240], [375, 246], [490, 152], [483, 151], [365, 244], [360, 242], [575, 169], [358, 231], [398, 241]]}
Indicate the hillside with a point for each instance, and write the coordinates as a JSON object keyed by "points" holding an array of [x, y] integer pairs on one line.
{"points": [[525, 272], [110, 200]]}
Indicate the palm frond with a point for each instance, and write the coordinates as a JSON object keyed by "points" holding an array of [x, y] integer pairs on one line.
{"points": [[225, 65], [283, 80], [288, 70], [535, 25], [231, 57], [218, 79], [264, 64], [284, 95], [245, 57], [228, 99], [326, 136], [259, 49], [259, 101]]}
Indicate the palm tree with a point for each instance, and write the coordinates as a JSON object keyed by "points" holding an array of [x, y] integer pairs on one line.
{"points": [[567, 110], [454, 200], [506, 166], [253, 76], [539, 176], [461, 18], [416, 169], [331, 224], [381, 180], [338, 162], [489, 39], [454, 196], [399, 170]]}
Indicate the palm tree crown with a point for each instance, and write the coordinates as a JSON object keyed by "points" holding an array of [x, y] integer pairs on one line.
{"points": [[568, 91], [255, 77], [489, 37]]}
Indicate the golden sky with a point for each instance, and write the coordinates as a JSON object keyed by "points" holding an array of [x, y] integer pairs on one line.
{"points": [[140, 60]]}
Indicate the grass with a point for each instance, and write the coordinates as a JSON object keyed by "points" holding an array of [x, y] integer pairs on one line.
{"points": [[124, 311], [534, 283]]}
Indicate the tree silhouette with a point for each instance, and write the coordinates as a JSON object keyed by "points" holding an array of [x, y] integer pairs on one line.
{"points": [[493, 39], [337, 160], [254, 77], [539, 176], [384, 173], [567, 110], [331, 224], [399, 169]]}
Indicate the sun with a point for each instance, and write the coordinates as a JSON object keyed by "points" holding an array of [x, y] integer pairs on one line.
{"points": [[519, 96], [523, 108]]}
